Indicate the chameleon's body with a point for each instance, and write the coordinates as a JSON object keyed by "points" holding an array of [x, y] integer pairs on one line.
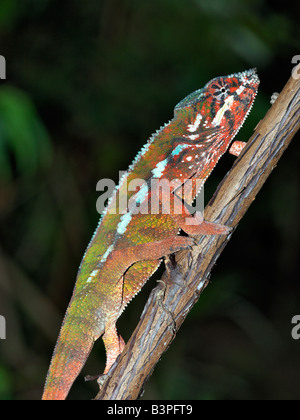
{"points": [[127, 248]]}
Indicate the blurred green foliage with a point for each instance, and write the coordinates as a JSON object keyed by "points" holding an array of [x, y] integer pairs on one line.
{"points": [[87, 84], [22, 135]]}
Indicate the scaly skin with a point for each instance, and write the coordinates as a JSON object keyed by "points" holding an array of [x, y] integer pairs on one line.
{"points": [[127, 247]]}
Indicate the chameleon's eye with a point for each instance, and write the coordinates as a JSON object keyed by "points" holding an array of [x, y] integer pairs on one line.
{"points": [[220, 91]]}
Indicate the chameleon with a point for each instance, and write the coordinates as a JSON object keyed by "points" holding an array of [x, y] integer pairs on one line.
{"points": [[129, 245]]}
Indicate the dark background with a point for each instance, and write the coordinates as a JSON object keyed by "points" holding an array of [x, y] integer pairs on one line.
{"points": [[87, 83]]}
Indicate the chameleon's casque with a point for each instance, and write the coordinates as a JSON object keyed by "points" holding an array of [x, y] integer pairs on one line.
{"points": [[127, 248]]}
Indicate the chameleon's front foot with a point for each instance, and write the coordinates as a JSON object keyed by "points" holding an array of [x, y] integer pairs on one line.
{"points": [[237, 147], [196, 225]]}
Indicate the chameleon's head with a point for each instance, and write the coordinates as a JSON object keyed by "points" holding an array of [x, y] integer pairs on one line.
{"points": [[224, 101]]}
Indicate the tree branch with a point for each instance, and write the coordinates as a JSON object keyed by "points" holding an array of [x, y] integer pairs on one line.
{"points": [[170, 302]]}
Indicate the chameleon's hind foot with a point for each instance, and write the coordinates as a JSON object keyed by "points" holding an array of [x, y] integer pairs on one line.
{"points": [[114, 345]]}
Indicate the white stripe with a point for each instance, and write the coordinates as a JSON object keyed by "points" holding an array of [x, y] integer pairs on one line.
{"points": [[159, 169], [141, 194], [124, 222], [92, 276], [193, 127], [179, 148], [106, 253], [217, 120], [240, 90], [191, 136]]}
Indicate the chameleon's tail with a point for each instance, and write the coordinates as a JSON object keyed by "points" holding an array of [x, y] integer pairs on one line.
{"points": [[72, 349]]}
